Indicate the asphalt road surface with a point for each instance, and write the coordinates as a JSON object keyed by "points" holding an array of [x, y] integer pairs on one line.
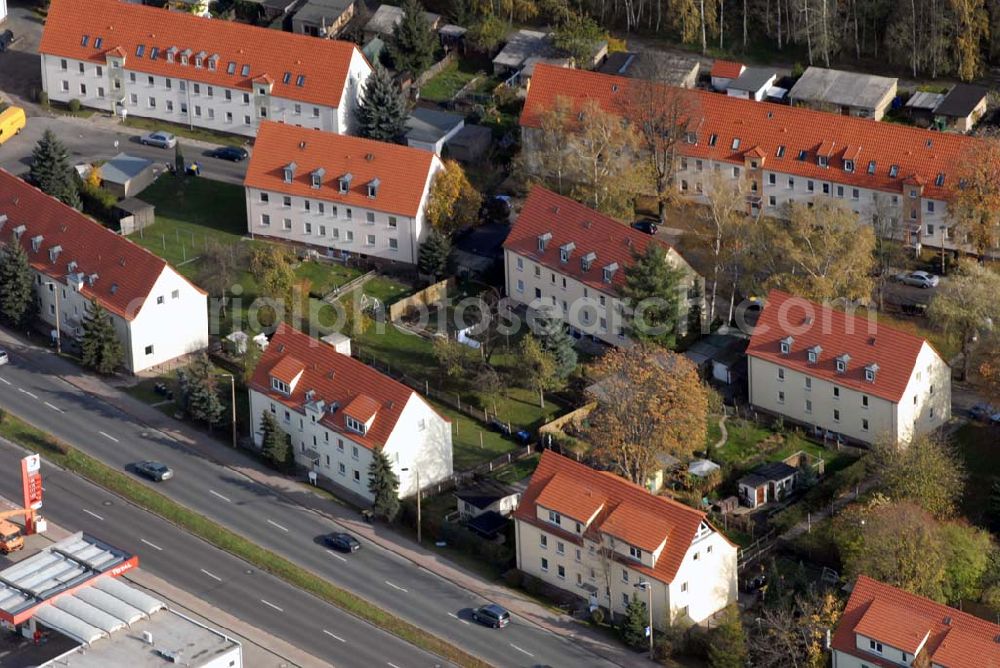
{"points": [[215, 576], [87, 141], [380, 576]]}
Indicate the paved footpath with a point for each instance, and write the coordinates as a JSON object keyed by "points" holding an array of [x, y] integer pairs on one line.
{"points": [[300, 493]]}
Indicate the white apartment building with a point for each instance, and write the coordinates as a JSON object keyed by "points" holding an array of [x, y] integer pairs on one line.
{"points": [[336, 411], [789, 153], [338, 194], [598, 536], [130, 59], [571, 260], [843, 376], [156, 312], [884, 626]]}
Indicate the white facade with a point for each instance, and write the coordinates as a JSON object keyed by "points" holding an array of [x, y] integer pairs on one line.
{"points": [[114, 86], [172, 321], [3, 9]]}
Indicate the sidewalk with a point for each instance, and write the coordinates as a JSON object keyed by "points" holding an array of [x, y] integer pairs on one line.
{"points": [[302, 494]]}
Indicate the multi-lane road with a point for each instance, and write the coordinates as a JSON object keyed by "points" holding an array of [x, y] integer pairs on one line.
{"points": [[29, 388]]}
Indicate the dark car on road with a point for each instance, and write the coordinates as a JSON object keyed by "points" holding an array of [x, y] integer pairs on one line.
{"points": [[496, 209], [646, 225], [155, 471], [492, 615], [342, 542], [6, 39], [231, 153]]}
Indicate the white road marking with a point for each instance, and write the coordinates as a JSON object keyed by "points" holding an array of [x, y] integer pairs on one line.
{"points": [[108, 436], [4, 381], [92, 514], [24, 391], [391, 664], [394, 586], [214, 577], [335, 637], [271, 604], [55, 408], [522, 651], [155, 547], [224, 498], [334, 554], [452, 614], [272, 523]]}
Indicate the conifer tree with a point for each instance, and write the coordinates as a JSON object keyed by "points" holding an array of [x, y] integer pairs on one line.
{"points": [[274, 443], [383, 485], [17, 293], [382, 110], [652, 287], [52, 172], [633, 628], [433, 256], [555, 340], [413, 42], [101, 349]]}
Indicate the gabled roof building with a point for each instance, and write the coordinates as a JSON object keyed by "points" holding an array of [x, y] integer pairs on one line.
{"points": [[337, 410], [133, 59], [842, 92], [598, 535]]}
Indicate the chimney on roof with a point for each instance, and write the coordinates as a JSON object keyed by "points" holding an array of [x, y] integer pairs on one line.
{"points": [[947, 621], [281, 347], [121, 260], [302, 144], [329, 375], [369, 156], [871, 341]]}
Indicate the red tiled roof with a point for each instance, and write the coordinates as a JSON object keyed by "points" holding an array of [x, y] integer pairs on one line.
{"points": [[891, 616], [768, 126], [866, 341], [333, 377], [568, 221], [324, 63], [402, 171], [125, 272], [726, 69], [644, 519], [287, 369], [362, 408]]}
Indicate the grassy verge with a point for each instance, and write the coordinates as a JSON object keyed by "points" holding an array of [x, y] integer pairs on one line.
{"points": [[443, 86], [71, 459], [199, 134]]}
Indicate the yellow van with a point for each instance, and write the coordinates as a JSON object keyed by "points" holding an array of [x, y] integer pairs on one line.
{"points": [[12, 120]]}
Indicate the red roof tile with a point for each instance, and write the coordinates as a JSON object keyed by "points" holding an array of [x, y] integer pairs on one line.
{"points": [[324, 63], [334, 378], [568, 221], [890, 616], [629, 512], [125, 273], [362, 408], [403, 172], [768, 126], [287, 369], [866, 341], [726, 69]]}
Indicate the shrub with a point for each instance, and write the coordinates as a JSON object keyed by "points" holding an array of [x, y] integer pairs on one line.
{"points": [[513, 578], [797, 70], [74, 105], [98, 202], [597, 616]]}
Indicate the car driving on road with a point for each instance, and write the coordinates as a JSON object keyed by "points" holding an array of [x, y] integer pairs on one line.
{"points": [[161, 139], [231, 153], [4, 357], [920, 279], [646, 225], [492, 615], [342, 542], [155, 471]]}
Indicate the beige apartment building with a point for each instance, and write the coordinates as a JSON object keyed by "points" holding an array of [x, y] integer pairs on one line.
{"points": [[845, 377]]}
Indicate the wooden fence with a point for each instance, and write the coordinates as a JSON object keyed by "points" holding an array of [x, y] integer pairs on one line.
{"points": [[429, 295]]}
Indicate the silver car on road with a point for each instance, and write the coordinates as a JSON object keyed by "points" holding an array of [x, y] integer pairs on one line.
{"points": [[161, 139], [920, 279]]}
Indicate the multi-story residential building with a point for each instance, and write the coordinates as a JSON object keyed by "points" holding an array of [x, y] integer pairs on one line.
{"points": [[571, 260], [157, 314], [843, 375], [337, 411], [886, 627], [172, 66], [597, 535], [789, 154], [339, 194]]}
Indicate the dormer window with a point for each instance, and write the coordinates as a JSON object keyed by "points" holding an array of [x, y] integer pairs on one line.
{"points": [[635, 552], [36, 243], [213, 62], [280, 386], [344, 183], [822, 161], [893, 171], [543, 241], [354, 425], [372, 188], [18, 231], [587, 261], [316, 177], [870, 372], [289, 172], [185, 56], [814, 353], [609, 272], [691, 137], [848, 165], [565, 251], [199, 61], [555, 517], [736, 143], [54, 253], [842, 362], [171, 53], [786, 345]]}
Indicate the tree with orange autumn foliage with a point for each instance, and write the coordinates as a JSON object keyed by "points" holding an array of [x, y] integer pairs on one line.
{"points": [[650, 402]]}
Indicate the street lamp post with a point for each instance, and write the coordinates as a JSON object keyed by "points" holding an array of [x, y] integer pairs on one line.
{"points": [[55, 289], [648, 588], [416, 472], [232, 401]]}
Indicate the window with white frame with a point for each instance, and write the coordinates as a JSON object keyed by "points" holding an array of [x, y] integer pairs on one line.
{"points": [[280, 386], [354, 425], [554, 517]]}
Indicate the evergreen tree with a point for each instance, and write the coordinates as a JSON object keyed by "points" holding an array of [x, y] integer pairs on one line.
{"points": [[384, 486], [202, 399], [413, 42], [274, 445], [633, 627], [17, 293], [52, 172], [555, 340], [695, 316], [382, 110], [653, 287], [102, 351], [433, 256], [727, 646]]}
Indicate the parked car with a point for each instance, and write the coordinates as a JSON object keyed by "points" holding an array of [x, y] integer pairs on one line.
{"points": [[982, 412], [492, 615], [159, 138], [496, 209], [500, 426], [4, 357], [232, 153], [155, 471], [920, 279], [647, 225], [6, 39], [342, 542]]}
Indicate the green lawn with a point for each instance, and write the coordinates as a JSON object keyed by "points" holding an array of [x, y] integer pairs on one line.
{"points": [[325, 276], [450, 80], [743, 448], [517, 471], [977, 444], [466, 433], [200, 134]]}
